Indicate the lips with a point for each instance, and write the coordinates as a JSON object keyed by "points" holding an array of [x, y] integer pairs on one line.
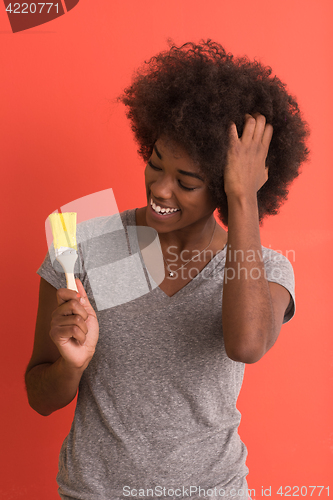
{"points": [[163, 210], [159, 212]]}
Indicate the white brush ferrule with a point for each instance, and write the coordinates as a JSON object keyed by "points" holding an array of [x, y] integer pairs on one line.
{"points": [[67, 261]]}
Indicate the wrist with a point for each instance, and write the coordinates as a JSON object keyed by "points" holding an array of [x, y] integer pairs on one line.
{"points": [[70, 370], [243, 214], [242, 199]]}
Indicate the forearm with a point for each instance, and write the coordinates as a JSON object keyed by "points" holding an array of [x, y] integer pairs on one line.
{"points": [[51, 386], [247, 312]]}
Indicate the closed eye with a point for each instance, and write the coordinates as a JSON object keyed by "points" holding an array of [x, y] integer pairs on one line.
{"points": [[153, 166], [179, 182], [184, 187]]}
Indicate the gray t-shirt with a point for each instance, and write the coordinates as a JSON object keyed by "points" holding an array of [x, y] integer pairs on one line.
{"points": [[156, 413]]}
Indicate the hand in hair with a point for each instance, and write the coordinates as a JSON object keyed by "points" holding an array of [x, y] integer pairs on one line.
{"points": [[246, 172]]}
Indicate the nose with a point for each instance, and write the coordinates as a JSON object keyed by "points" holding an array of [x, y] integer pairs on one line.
{"points": [[161, 188]]}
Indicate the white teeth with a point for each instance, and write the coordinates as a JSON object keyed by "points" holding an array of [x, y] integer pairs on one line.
{"points": [[161, 210]]}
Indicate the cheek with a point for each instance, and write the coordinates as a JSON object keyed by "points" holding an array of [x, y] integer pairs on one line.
{"points": [[207, 203], [148, 179], [149, 176]]}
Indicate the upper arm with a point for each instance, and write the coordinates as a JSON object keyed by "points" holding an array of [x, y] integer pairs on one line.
{"points": [[280, 298], [44, 350]]}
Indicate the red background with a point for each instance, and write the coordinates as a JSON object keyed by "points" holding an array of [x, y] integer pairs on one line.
{"points": [[62, 138]]}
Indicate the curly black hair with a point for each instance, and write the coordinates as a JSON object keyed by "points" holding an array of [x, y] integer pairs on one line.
{"points": [[191, 94]]}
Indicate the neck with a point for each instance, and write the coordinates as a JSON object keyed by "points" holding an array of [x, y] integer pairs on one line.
{"points": [[193, 237]]}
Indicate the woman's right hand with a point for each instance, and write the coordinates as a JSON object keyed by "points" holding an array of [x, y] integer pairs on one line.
{"points": [[74, 327]]}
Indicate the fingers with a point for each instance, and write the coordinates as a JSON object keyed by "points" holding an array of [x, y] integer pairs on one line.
{"points": [[259, 127], [61, 334], [267, 137], [68, 320], [65, 294], [80, 289], [246, 171], [84, 299], [74, 327], [256, 129], [233, 133], [71, 313], [249, 128], [70, 306], [72, 320]]}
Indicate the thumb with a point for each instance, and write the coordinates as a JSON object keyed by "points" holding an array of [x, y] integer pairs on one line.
{"points": [[84, 298]]}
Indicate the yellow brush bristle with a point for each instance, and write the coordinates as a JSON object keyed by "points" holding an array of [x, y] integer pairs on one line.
{"points": [[63, 227]]}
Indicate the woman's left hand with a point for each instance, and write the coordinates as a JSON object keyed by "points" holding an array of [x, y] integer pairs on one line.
{"points": [[246, 171]]}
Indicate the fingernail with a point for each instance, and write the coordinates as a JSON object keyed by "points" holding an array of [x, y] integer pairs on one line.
{"points": [[78, 295], [82, 300]]}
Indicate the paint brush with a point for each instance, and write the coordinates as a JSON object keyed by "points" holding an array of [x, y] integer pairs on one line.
{"points": [[63, 227]]}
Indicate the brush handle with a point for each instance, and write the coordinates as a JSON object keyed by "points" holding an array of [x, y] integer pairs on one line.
{"points": [[70, 281], [67, 260]]}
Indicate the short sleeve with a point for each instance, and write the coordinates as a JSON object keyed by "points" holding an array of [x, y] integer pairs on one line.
{"points": [[99, 243], [51, 270], [279, 270], [53, 275]]}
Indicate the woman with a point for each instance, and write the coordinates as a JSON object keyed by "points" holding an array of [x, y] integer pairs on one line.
{"points": [[156, 413]]}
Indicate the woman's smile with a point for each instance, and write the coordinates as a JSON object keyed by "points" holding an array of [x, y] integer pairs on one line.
{"points": [[161, 210], [177, 193]]}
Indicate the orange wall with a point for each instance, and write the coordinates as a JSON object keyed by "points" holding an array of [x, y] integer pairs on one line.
{"points": [[61, 139]]}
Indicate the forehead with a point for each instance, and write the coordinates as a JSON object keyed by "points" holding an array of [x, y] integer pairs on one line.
{"points": [[169, 149]]}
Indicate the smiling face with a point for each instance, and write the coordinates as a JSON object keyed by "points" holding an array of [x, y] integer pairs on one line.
{"points": [[177, 193]]}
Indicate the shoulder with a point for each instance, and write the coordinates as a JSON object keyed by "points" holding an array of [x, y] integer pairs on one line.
{"points": [[279, 270], [102, 225], [277, 263], [92, 236]]}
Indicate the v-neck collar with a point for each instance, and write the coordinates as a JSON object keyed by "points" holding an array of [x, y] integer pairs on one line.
{"points": [[198, 279]]}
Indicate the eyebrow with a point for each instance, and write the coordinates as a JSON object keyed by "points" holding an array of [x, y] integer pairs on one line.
{"points": [[191, 174], [157, 152], [183, 172]]}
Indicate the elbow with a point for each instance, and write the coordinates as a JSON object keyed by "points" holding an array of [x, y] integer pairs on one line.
{"points": [[41, 412], [38, 407], [246, 352], [244, 356], [34, 402]]}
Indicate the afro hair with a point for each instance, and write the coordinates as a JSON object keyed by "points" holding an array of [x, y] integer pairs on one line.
{"points": [[191, 94]]}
